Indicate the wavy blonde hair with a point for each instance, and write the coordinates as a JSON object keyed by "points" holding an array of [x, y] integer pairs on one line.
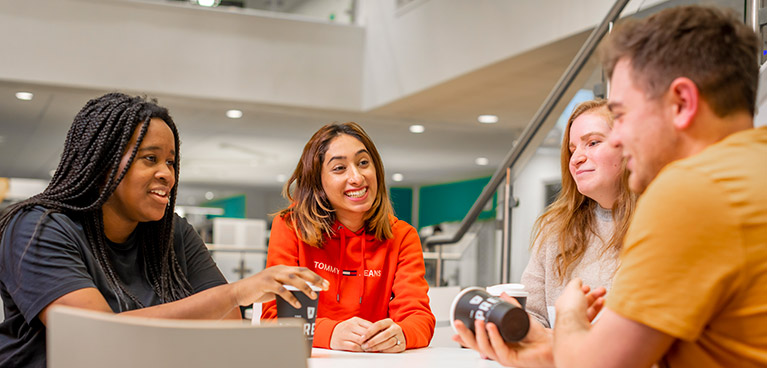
{"points": [[310, 213], [571, 217]]}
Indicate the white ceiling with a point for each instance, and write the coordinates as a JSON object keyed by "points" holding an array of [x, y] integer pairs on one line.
{"points": [[267, 140]]}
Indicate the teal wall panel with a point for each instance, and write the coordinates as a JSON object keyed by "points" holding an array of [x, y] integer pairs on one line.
{"points": [[234, 207], [402, 200], [451, 202]]}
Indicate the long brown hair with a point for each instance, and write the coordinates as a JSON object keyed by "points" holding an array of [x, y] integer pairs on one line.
{"points": [[571, 217], [310, 213]]}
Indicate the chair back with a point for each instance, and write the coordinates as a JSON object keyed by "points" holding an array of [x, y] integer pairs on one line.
{"points": [[83, 339]]}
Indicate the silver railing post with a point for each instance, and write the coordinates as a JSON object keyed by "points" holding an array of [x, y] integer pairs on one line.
{"points": [[438, 272], [506, 236]]}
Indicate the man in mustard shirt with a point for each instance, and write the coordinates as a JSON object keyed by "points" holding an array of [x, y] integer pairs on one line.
{"points": [[691, 290]]}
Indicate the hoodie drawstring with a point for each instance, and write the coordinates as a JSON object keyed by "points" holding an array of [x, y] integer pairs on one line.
{"points": [[341, 251], [362, 290]]}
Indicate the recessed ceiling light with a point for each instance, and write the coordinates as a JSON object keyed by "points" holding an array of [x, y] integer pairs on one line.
{"points": [[52, 172], [208, 3], [209, 195], [281, 178], [487, 119], [397, 177], [234, 114], [482, 161], [417, 128], [24, 96]]}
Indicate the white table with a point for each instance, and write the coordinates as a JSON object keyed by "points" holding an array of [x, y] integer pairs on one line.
{"points": [[440, 357]]}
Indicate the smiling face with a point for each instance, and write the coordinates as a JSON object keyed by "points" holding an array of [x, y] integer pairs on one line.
{"points": [[643, 128], [143, 194], [349, 180], [595, 165]]}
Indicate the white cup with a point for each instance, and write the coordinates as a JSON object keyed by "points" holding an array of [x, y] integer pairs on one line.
{"points": [[517, 291]]}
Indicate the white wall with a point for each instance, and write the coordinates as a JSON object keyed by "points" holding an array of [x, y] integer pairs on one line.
{"points": [[761, 100], [181, 50], [529, 189], [324, 8], [437, 40], [243, 56]]}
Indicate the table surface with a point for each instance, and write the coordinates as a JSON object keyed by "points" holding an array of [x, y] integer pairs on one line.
{"points": [[442, 357]]}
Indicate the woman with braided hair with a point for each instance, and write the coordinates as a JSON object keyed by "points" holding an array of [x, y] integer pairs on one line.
{"points": [[103, 235]]}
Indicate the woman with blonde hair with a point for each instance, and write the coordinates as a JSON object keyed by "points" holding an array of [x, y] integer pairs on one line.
{"points": [[341, 225], [581, 233]]}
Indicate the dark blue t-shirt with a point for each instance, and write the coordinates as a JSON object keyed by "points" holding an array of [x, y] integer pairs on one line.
{"points": [[60, 261]]}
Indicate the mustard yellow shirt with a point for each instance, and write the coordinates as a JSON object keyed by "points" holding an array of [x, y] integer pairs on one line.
{"points": [[694, 263]]}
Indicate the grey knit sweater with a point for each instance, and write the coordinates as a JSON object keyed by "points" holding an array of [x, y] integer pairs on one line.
{"points": [[596, 268]]}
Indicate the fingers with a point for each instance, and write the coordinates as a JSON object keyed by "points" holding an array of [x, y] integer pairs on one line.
{"points": [[298, 278], [286, 295], [313, 278], [465, 336], [575, 283], [359, 327], [389, 339], [483, 342], [377, 327], [510, 299], [350, 346], [499, 347], [595, 308], [599, 292], [348, 334]]}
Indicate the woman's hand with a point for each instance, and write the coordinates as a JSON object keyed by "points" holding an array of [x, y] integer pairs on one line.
{"points": [[384, 336], [264, 285], [349, 335]]}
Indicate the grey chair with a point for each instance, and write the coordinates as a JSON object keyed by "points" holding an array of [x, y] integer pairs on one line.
{"points": [[83, 339]]}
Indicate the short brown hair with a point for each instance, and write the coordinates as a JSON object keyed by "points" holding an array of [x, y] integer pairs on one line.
{"points": [[310, 213], [709, 46]]}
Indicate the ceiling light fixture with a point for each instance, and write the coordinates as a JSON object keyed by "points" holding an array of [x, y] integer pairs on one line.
{"points": [[233, 114], [487, 119], [417, 128], [24, 96], [482, 161], [209, 195], [208, 3], [397, 177], [281, 178]]}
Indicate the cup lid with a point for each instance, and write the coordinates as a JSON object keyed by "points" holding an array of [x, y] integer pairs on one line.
{"points": [[293, 288], [455, 303], [517, 289]]}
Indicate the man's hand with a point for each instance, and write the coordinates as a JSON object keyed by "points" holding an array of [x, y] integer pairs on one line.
{"points": [[535, 350], [579, 302]]}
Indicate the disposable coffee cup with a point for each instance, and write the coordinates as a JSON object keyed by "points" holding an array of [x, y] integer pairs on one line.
{"points": [[517, 291], [307, 311], [477, 304]]}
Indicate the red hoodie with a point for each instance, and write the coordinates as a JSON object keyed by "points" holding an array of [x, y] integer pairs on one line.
{"points": [[370, 279]]}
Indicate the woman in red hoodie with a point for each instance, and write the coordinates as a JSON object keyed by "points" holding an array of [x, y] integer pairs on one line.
{"points": [[341, 225]]}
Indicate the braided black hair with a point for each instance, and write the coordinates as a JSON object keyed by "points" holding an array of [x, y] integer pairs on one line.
{"points": [[89, 173]]}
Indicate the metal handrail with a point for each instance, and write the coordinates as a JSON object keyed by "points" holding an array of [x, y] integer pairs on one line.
{"points": [[533, 127]]}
